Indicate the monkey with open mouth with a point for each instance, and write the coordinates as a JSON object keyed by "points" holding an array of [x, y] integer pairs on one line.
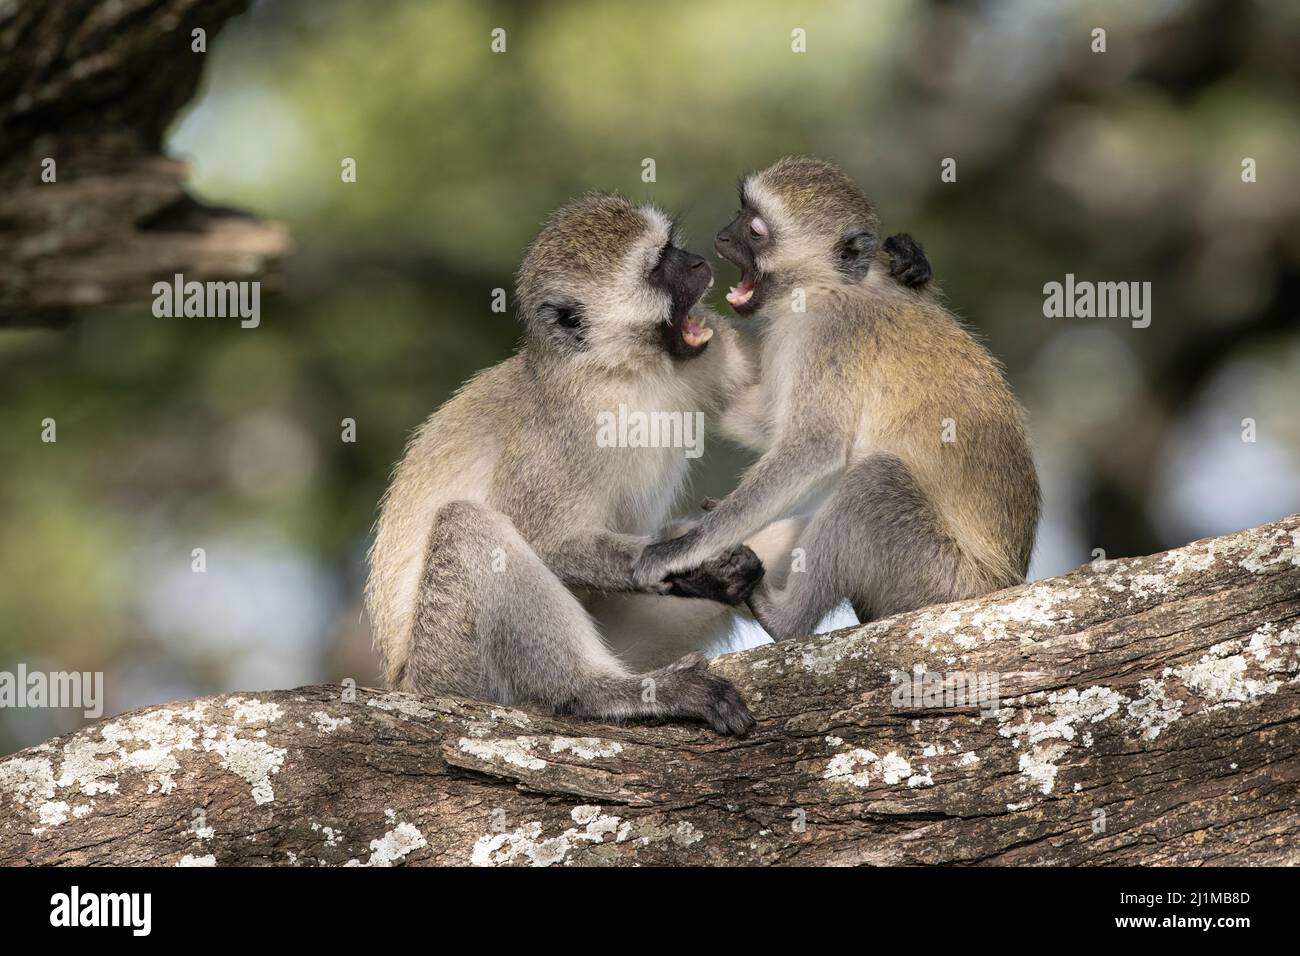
{"points": [[506, 527], [894, 454]]}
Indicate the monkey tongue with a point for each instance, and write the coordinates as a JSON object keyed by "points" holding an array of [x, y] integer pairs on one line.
{"points": [[695, 333], [740, 294]]}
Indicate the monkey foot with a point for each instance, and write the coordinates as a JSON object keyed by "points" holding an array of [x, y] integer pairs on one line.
{"points": [[699, 693]]}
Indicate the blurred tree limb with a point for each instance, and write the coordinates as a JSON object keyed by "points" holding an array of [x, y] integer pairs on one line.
{"points": [[93, 85], [1149, 713]]}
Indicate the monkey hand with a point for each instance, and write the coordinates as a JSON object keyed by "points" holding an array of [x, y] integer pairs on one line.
{"points": [[728, 578], [907, 261]]}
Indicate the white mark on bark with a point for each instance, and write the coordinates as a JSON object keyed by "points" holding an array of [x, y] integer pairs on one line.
{"points": [[856, 767], [823, 655], [51, 813], [143, 743], [1039, 606], [1067, 709], [405, 704], [253, 711], [27, 779], [332, 837], [1263, 558], [516, 752], [393, 846], [253, 760], [1153, 710], [1191, 560], [1223, 680], [327, 724], [526, 846], [586, 748], [684, 834], [1144, 585], [1039, 764]]}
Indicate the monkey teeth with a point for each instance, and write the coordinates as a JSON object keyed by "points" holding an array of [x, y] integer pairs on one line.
{"points": [[740, 294], [695, 333]]}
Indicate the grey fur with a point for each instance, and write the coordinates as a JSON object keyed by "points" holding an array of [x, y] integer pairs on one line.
{"points": [[506, 526]]}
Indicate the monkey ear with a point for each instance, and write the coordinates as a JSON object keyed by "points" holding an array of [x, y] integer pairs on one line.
{"points": [[562, 323], [853, 253]]}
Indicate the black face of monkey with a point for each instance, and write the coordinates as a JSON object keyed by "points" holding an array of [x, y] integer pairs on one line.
{"points": [[740, 242], [685, 277]]}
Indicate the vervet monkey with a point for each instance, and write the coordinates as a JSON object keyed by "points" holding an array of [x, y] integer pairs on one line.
{"points": [[505, 521], [885, 428]]}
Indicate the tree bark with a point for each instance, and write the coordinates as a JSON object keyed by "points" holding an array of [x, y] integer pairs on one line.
{"points": [[92, 85], [1149, 713]]}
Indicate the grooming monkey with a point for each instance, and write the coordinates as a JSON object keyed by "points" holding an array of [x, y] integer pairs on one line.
{"points": [[504, 523], [885, 428]]}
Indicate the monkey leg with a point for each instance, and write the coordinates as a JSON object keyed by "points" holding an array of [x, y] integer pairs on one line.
{"points": [[491, 608], [876, 541]]}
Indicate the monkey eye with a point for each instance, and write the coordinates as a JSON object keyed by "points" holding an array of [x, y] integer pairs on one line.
{"points": [[757, 228], [567, 315]]}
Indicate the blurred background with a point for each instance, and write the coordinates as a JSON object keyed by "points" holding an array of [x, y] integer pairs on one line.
{"points": [[176, 434]]}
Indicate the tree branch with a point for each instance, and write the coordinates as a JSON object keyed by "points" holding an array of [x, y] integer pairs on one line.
{"points": [[1150, 713], [92, 85]]}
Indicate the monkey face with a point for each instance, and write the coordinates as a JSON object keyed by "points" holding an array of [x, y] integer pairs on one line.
{"points": [[742, 242], [605, 280], [801, 221]]}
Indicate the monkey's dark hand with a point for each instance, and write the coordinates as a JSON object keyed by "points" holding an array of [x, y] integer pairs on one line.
{"points": [[907, 261], [729, 578]]}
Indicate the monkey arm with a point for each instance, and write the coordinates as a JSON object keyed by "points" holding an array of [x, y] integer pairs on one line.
{"points": [[599, 561], [745, 421], [604, 561], [777, 483], [736, 357]]}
